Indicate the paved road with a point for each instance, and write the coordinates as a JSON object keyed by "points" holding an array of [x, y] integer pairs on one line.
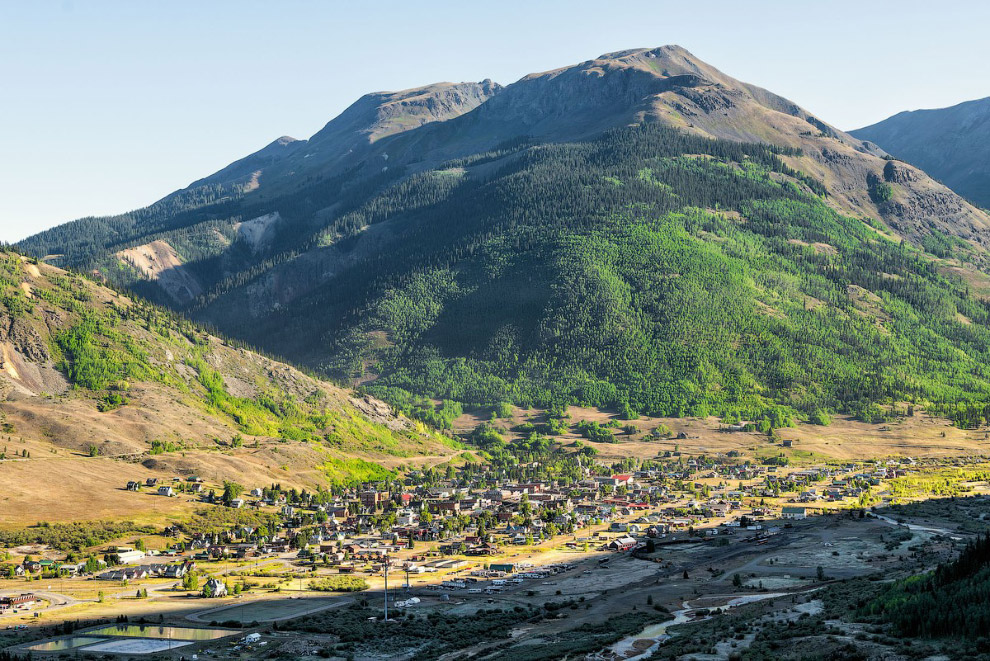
{"points": [[54, 599]]}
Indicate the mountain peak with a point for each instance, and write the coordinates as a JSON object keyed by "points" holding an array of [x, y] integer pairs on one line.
{"points": [[380, 114], [396, 133]]}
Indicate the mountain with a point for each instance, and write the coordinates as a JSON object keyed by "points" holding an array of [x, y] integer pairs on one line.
{"points": [[952, 144], [97, 388], [637, 231]]}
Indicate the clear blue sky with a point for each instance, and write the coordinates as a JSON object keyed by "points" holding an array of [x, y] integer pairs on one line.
{"points": [[108, 105]]}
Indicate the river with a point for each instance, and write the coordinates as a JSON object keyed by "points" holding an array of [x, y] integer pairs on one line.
{"points": [[644, 643], [911, 526]]}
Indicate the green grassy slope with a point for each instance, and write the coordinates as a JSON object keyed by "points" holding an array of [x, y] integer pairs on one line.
{"points": [[82, 359]]}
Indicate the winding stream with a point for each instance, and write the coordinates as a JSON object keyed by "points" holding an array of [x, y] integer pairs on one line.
{"points": [[912, 526], [644, 643]]}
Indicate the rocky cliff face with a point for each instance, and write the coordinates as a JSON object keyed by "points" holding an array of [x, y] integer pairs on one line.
{"points": [[347, 141], [381, 114]]}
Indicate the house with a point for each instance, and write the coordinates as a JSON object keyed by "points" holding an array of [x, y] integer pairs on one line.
{"points": [[166, 491], [721, 509], [214, 588], [133, 486], [622, 544], [151, 481], [793, 512]]}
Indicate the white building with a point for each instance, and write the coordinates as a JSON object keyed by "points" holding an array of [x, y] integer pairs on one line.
{"points": [[129, 556], [790, 512]]}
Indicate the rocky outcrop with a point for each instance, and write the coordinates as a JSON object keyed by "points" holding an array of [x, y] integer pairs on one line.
{"points": [[23, 338], [379, 412], [158, 261]]}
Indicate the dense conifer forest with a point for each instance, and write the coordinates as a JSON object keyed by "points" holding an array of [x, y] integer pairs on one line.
{"points": [[673, 274], [948, 602]]}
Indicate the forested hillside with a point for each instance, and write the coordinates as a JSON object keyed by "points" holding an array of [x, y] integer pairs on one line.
{"points": [[638, 231], [950, 602], [675, 274]]}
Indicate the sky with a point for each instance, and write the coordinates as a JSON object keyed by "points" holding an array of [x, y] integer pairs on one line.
{"points": [[107, 106]]}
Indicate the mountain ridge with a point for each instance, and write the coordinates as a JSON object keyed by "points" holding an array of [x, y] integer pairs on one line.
{"points": [[370, 136], [951, 143], [370, 262]]}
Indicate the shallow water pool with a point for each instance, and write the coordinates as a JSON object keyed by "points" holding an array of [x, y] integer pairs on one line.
{"points": [[161, 632], [65, 644]]}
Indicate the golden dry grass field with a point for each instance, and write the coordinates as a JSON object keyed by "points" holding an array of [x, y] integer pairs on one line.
{"points": [[845, 439]]}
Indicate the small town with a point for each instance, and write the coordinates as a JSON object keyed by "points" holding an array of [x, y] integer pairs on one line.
{"points": [[491, 535], [515, 331]]}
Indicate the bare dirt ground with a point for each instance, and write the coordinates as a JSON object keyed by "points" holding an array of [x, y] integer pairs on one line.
{"points": [[63, 489], [159, 261], [603, 584]]}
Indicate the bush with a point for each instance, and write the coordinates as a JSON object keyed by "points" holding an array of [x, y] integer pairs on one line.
{"points": [[871, 413], [880, 191], [595, 432], [339, 584], [502, 410], [627, 412], [111, 401], [820, 417]]}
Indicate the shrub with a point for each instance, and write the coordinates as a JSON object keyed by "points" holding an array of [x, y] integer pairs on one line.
{"points": [[339, 584]]}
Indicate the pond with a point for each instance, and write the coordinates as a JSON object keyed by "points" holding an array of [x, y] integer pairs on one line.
{"points": [[155, 631], [65, 644]]}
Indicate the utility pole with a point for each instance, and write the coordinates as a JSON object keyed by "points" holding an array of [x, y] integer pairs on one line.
{"points": [[386, 587]]}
